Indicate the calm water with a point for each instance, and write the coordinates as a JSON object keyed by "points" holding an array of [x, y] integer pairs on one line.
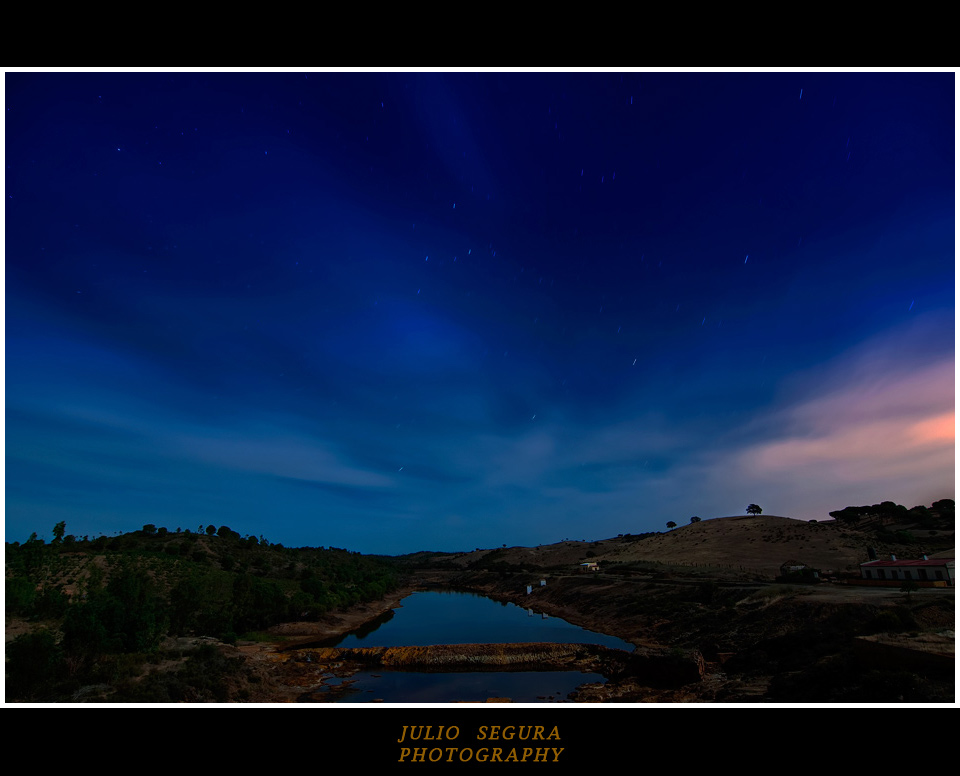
{"points": [[449, 617], [467, 687], [441, 617]]}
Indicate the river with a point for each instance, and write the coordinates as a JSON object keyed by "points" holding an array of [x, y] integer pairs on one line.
{"points": [[449, 617]]}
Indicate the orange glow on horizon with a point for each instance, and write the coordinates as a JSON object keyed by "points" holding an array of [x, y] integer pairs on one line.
{"points": [[941, 428]]}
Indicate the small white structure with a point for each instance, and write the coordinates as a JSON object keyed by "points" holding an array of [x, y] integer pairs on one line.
{"points": [[543, 583], [893, 571], [589, 566], [788, 567]]}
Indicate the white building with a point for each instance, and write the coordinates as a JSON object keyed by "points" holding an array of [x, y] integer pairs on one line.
{"points": [[931, 572]]}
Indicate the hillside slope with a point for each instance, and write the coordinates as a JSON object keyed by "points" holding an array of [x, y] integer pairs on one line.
{"points": [[735, 545]]}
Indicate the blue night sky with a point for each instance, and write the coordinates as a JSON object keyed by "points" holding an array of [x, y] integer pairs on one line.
{"points": [[393, 311]]}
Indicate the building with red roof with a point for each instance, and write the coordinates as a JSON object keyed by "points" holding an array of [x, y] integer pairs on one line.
{"points": [[927, 572]]}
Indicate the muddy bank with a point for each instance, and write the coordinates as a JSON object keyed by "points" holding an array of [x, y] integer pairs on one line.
{"points": [[752, 642], [325, 674], [445, 658], [298, 666], [655, 669], [696, 640], [335, 625]]}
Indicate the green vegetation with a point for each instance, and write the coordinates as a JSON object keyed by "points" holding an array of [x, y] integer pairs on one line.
{"points": [[101, 609]]}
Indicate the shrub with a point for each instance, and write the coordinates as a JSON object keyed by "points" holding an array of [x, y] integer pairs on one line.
{"points": [[20, 595], [35, 665]]}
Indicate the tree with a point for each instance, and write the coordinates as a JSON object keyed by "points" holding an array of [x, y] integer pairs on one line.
{"points": [[31, 551], [694, 519], [849, 515], [225, 532], [753, 509], [908, 587], [671, 524], [150, 528], [211, 530], [58, 531]]}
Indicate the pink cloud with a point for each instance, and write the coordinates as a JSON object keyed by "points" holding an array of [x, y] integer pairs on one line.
{"points": [[941, 428], [877, 432]]}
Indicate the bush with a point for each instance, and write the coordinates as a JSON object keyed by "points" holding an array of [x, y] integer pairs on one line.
{"points": [[20, 595], [52, 602], [894, 620], [35, 665], [202, 679], [126, 617]]}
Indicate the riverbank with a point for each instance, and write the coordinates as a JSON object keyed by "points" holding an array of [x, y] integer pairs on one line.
{"points": [[297, 667], [755, 642], [700, 641], [334, 625], [300, 667], [278, 679]]}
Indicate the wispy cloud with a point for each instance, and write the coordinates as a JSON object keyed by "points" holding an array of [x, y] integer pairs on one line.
{"points": [[280, 455], [872, 428]]}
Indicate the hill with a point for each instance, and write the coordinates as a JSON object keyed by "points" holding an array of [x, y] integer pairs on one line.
{"points": [[92, 619], [736, 546], [154, 615], [706, 594]]}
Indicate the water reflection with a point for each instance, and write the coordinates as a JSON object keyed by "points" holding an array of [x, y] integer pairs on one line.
{"points": [[472, 687], [453, 617]]}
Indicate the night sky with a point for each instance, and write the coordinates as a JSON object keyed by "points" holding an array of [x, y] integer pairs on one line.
{"points": [[393, 311]]}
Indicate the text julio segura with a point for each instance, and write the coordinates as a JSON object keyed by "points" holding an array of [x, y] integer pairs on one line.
{"points": [[528, 751]]}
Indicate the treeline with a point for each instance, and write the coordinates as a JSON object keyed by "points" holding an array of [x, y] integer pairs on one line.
{"points": [[102, 605], [939, 515]]}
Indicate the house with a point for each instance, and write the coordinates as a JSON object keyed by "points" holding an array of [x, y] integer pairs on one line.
{"points": [[589, 566], [796, 571], [790, 566], [937, 572]]}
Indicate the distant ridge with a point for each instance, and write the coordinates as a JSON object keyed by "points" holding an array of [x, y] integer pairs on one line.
{"points": [[749, 543]]}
